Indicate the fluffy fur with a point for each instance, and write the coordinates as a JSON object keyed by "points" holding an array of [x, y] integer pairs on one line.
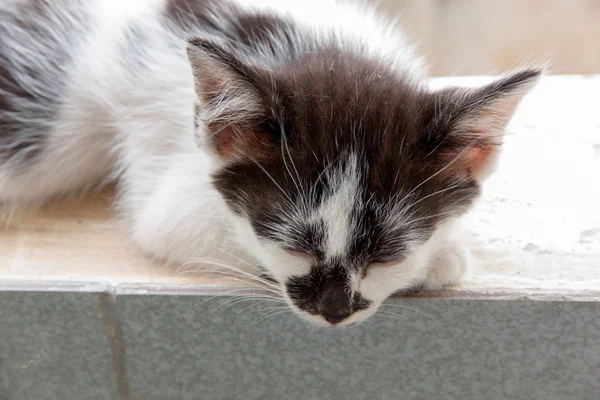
{"points": [[291, 138]]}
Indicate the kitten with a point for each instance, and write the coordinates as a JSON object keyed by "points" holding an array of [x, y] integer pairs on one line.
{"points": [[296, 136]]}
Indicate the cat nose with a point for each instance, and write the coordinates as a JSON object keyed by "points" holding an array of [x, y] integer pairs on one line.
{"points": [[334, 305], [337, 317]]}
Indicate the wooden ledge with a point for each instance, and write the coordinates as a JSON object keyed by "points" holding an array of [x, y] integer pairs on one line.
{"points": [[535, 233]]}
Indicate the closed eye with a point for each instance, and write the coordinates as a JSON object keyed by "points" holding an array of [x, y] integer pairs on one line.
{"points": [[381, 262], [298, 253], [386, 260]]}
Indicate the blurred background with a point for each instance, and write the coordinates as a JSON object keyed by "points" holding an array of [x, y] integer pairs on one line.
{"points": [[466, 37]]}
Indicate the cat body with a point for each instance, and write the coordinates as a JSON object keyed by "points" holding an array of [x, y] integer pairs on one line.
{"points": [[260, 135]]}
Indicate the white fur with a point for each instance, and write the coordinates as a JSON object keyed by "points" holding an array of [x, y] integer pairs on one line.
{"points": [[336, 210], [353, 22], [137, 126]]}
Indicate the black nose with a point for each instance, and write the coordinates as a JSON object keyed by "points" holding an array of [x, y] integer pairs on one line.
{"points": [[334, 302], [339, 316]]}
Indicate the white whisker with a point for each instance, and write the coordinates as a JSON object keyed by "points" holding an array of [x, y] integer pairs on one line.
{"points": [[212, 273], [219, 263], [235, 299], [456, 158], [275, 182], [241, 260], [270, 314], [408, 308], [234, 278], [431, 195], [390, 315], [220, 295], [284, 144], [260, 302]]}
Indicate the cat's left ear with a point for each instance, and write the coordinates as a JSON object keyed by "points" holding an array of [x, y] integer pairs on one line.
{"points": [[466, 126]]}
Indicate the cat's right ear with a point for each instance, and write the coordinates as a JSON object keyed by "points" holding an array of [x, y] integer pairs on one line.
{"points": [[235, 99]]}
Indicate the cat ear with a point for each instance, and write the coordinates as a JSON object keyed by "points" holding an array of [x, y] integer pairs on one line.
{"points": [[468, 125], [232, 98]]}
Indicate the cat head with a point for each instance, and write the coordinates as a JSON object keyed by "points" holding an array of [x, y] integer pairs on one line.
{"points": [[339, 170]]}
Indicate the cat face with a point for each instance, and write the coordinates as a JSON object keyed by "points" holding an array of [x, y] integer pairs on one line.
{"points": [[340, 172]]}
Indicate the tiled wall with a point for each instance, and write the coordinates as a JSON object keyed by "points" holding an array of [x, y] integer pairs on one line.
{"points": [[75, 346], [53, 346]]}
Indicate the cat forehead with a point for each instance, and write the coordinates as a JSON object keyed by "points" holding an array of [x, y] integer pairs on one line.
{"points": [[336, 106], [349, 95]]}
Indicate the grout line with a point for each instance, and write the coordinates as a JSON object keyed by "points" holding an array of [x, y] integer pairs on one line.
{"points": [[116, 342]]}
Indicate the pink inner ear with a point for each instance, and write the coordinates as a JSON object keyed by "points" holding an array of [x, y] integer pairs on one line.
{"points": [[225, 140], [477, 158]]}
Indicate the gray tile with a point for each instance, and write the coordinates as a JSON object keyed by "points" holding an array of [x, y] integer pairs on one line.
{"points": [[179, 347], [53, 346]]}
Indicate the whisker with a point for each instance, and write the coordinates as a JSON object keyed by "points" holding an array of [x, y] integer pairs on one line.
{"points": [[219, 295], [212, 273], [257, 303], [235, 299], [271, 308], [270, 314], [219, 263], [204, 271], [259, 282], [240, 271], [265, 312], [390, 315], [234, 278], [431, 195], [412, 221], [456, 158], [284, 143], [270, 299], [241, 260], [408, 308], [275, 182]]}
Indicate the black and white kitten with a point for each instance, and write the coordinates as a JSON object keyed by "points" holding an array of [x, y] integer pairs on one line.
{"points": [[298, 136]]}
